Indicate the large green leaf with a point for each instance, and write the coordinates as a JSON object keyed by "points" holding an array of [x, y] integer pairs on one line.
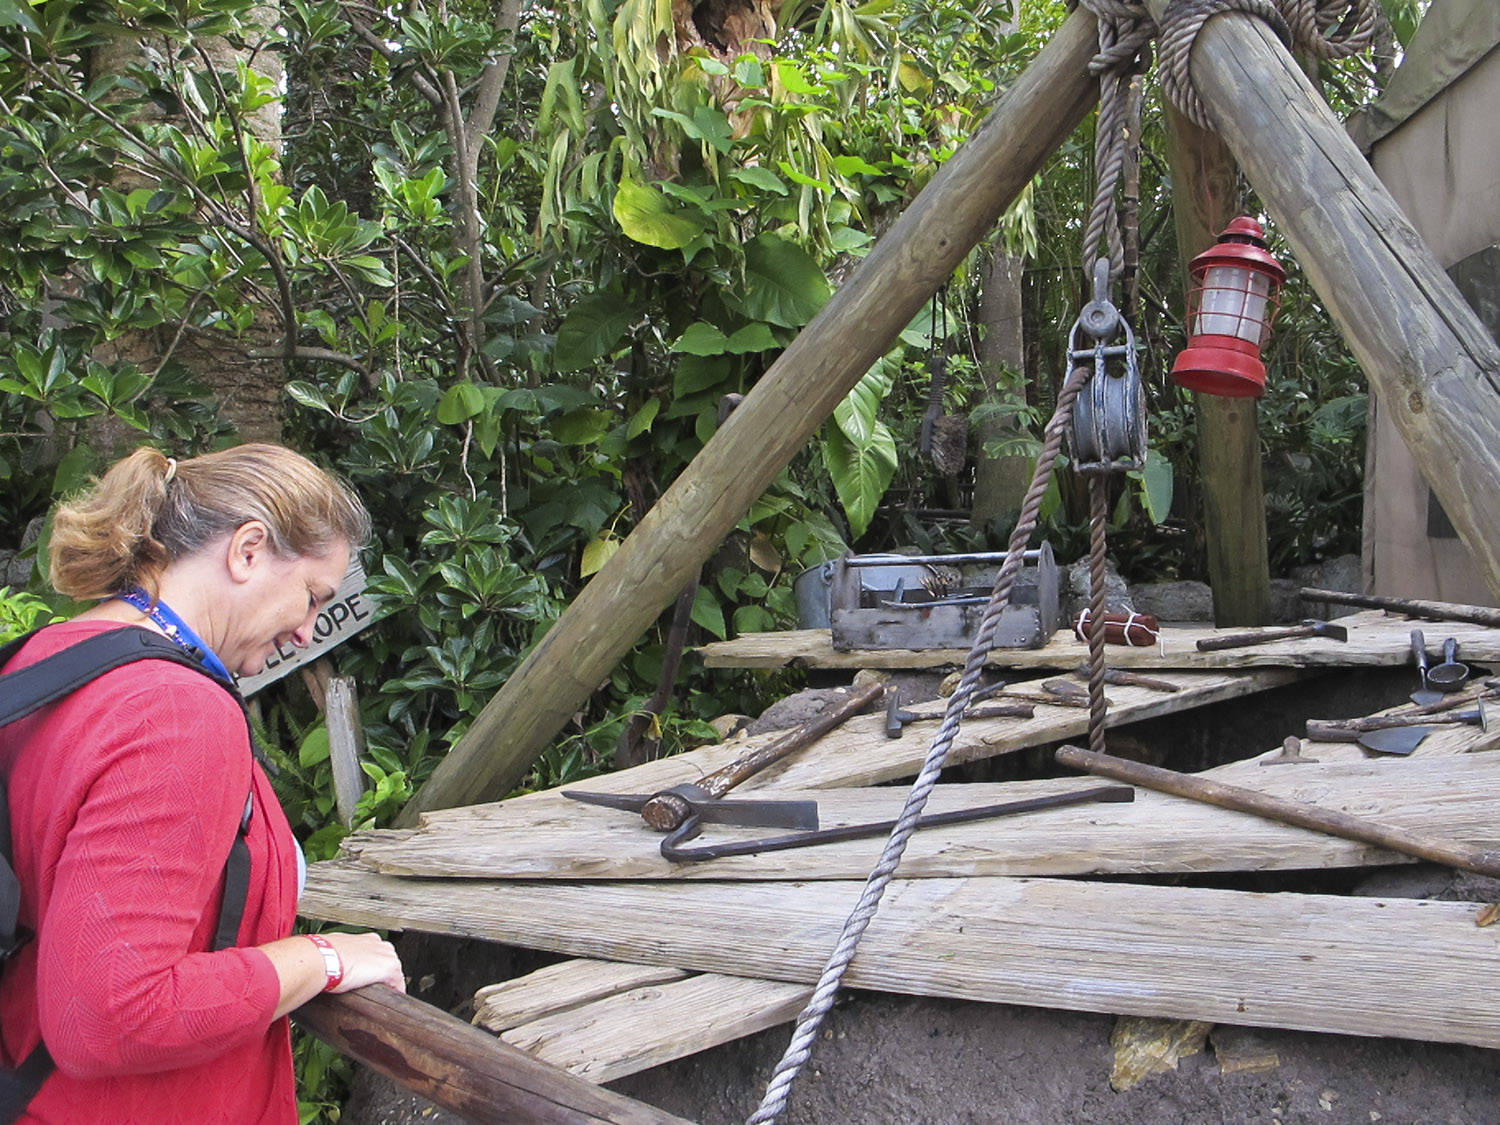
{"points": [[698, 373], [591, 329], [701, 338], [861, 450], [13, 14], [647, 216], [461, 402], [1156, 486], [783, 285], [861, 474], [859, 414]]}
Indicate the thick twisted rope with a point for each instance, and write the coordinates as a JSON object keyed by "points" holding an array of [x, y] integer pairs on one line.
{"points": [[1325, 29]]}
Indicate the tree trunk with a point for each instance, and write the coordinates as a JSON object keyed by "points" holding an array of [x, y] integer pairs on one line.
{"points": [[1001, 480], [1205, 197], [248, 386]]}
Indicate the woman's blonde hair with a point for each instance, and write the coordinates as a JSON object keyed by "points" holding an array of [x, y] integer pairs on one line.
{"points": [[149, 510]]}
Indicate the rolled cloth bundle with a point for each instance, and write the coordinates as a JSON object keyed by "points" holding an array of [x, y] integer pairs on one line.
{"points": [[1137, 629]]}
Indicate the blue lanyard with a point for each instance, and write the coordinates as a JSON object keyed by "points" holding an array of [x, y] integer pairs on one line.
{"points": [[176, 629]]}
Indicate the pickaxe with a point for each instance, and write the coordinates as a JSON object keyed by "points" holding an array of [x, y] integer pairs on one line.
{"points": [[1347, 730], [670, 808]]}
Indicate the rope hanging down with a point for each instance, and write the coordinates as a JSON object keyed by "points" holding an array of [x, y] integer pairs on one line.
{"points": [[1125, 30]]}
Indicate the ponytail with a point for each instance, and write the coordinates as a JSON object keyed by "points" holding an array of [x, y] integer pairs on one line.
{"points": [[102, 541]]}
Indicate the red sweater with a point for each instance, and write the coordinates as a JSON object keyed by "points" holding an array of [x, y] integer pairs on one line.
{"points": [[124, 800]]}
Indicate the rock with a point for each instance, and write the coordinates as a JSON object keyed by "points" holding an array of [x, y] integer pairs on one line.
{"points": [[1174, 601], [1286, 606], [1344, 573], [1074, 592]]}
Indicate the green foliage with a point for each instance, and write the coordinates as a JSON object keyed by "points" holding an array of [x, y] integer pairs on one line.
{"points": [[21, 612]]}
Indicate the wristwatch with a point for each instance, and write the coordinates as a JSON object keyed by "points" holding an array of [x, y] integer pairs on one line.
{"points": [[333, 964]]}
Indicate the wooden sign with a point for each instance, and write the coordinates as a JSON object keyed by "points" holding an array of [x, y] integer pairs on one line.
{"points": [[346, 615]]}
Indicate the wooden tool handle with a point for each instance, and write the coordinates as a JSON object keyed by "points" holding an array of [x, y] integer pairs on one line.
{"points": [[1244, 640], [723, 780], [1300, 813], [1430, 611], [1346, 730]]}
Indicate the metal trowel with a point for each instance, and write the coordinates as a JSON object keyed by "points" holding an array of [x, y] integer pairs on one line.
{"points": [[1394, 740], [1425, 694]]}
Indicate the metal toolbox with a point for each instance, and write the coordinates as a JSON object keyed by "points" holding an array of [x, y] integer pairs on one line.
{"points": [[943, 606]]}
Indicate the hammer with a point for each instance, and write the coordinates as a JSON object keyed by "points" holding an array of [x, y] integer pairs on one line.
{"points": [[896, 718], [1266, 636]]}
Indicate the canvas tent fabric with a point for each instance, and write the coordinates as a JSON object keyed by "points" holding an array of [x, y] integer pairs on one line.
{"points": [[1430, 138]]}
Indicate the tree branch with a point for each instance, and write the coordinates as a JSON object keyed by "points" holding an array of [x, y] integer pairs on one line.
{"points": [[382, 48], [492, 81]]}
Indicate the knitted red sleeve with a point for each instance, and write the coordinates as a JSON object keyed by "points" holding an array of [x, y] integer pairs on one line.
{"points": [[123, 986]]}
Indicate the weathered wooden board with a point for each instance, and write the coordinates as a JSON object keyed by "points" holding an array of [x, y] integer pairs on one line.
{"points": [[1408, 968], [1455, 798], [561, 988], [1374, 639], [644, 1027], [612, 1040]]}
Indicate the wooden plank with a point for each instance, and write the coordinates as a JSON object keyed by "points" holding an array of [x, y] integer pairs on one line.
{"points": [[553, 838], [460, 1067], [1353, 966], [1374, 640], [648, 1026], [908, 264], [560, 988], [1425, 351]]}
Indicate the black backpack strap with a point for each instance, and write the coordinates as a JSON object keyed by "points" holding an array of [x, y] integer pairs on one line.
{"points": [[62, 673], [19, 1086], [236, 883]]}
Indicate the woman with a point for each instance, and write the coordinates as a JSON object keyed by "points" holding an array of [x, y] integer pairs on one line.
{"points": [[125, 798]]}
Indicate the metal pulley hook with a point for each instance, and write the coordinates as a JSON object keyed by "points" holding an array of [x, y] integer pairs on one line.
{"points": [[1109, 416]]}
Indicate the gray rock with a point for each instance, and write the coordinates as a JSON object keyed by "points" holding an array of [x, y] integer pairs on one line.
{"points": [[1286, 606], [1074, 592], [1174, 601], [1344, 573]]}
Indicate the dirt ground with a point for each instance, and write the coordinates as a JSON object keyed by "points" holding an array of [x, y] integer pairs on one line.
{"points": [[894, 1059]]}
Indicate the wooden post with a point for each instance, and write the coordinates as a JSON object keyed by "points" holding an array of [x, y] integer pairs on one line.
{"points": [[1205, 197], [959, 206], [346, 742], [1426, 353], [460, 1067]]}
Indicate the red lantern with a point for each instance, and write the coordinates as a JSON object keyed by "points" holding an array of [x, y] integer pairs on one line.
{"points": [[1236, 288]]}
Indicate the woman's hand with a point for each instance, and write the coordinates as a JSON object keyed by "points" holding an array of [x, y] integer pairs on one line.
{"points": [[366, 958]]}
